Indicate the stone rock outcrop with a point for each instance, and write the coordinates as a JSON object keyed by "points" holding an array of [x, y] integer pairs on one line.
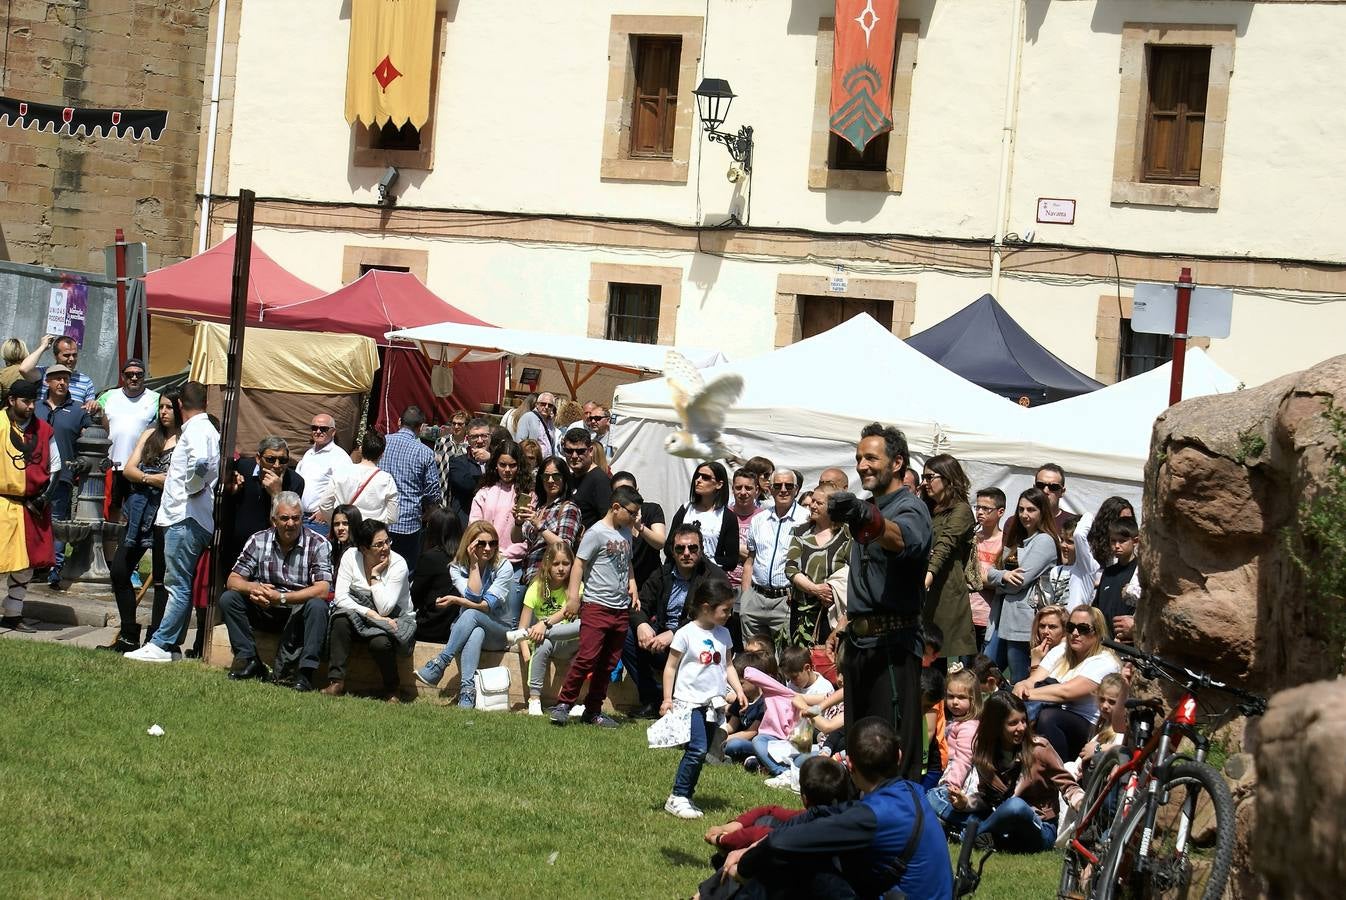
{"points": [[1301, 793], [1225, 479]]}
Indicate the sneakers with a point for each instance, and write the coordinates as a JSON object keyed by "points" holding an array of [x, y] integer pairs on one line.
{"points": [[560, 714], [601, 720], [431, 673], [681, 807], [535, 706], [151, 652], [784, 781], [515, 636]]}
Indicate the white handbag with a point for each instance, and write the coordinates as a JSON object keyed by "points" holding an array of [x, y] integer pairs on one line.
{"points": [[493, 688]]}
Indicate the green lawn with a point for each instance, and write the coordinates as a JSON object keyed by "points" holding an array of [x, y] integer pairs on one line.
{"points": [[256, 791]]}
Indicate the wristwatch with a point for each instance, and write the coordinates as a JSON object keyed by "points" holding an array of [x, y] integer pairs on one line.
{"points": [[282, 592]]}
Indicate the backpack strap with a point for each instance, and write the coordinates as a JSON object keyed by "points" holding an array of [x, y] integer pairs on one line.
{"points": [[898, 867]]}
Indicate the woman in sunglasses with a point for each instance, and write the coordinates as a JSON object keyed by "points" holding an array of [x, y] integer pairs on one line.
{"points": [[484, 578], [1065, 683], [1031, 546], [707, 507]]}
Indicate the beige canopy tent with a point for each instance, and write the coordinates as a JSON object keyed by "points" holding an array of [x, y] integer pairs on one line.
{"points": [[288, 376]]}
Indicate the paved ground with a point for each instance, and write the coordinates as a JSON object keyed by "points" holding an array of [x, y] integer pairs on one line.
{"points": [[83, 616]]}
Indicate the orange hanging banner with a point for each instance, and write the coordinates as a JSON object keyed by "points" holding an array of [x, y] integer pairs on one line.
{"points": [[388, 67], [862, 70]]}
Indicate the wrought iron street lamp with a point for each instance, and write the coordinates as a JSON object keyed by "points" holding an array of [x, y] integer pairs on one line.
{"points": [[713, 97]]}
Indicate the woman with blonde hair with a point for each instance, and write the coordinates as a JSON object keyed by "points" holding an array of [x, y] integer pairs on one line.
{"points": [[13, 351], [1049, 629], [484, 578], [1064, 685]]}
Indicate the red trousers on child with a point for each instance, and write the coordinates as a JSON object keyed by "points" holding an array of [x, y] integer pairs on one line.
{"points": [[602, 637]]}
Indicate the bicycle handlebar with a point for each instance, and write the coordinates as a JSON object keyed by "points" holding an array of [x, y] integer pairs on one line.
{"points": [[1256, 704]]}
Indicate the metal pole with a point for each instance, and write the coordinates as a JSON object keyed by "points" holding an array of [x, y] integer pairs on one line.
{"points": [[1180, 335], [122, 312], [238, 309]]}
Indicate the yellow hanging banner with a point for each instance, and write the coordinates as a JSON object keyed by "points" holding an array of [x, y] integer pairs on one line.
{"points": [[388, 69]]}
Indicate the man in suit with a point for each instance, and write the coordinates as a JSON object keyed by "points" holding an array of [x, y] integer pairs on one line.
{"points": [[466, 470]]}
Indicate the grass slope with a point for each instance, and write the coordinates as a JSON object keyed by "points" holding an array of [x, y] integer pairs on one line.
{"points": [[257, 791]]}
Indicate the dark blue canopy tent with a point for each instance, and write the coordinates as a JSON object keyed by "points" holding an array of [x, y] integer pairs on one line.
{"points": [[982, 343]]}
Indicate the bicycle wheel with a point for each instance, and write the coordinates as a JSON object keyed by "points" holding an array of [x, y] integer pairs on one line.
{"points": [[1192, 846], [1078, 877]]}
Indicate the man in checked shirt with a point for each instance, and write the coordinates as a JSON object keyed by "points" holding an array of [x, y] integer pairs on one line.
{"points": [[280, 583]]}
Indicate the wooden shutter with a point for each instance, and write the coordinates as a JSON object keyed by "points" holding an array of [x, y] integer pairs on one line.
{"points": [[1176, 118], [655, 104], [842, 157], [822, 313]]}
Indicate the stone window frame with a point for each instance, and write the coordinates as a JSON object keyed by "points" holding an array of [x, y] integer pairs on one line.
{"points": [[821, 177], [353, 257], [1108, 336], [1127, 186], [422, 160], [789, 288], [617, 163], [668, 278]]}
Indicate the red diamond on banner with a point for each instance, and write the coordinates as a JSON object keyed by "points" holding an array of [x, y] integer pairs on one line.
{"points": [[386, 72]]}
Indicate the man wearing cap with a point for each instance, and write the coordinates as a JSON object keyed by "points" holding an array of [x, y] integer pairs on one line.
{"points": [[130, 409], [29, 461], [66, 351], [67, 419]]}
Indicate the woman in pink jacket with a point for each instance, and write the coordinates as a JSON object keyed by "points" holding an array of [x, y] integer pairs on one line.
{"points": [[499, 501]]}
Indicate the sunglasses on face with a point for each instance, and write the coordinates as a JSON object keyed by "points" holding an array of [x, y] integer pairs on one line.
{"points": [[321, 429], [930, 476], [130, 375], [594, 418], [1082, 628], [1053, 488], [552, 476], [545, 405], [688, 549], [479, 545], [576, 451], [274, 460], [782, 486], [703, 476]]}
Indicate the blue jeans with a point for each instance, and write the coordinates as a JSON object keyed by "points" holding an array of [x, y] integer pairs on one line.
{"points": [[1011, 656], [316, 526], [953, 819], [61, 500], [1016, 826], [738, 748], [694, 757], [514, 602], [184, 542], [468, 637]]}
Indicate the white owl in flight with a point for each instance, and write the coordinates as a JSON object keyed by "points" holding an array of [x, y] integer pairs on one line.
{"points": [[701, 406]]}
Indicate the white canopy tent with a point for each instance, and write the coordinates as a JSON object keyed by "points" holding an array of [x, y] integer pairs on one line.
{"points": [[568, 363], [803, 406]]}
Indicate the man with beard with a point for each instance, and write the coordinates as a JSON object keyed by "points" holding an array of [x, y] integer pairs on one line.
{"points": [[29, 464]]}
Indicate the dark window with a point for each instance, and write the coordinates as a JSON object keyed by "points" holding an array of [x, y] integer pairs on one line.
{"points": [[633, 313], [655, 104], [370, 267], [1175, 121], [1141, 352], [842, 157], [819, 314], [390, 137]]}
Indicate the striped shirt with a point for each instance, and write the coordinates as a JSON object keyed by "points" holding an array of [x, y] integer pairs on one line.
{"points": [[81, 386], [308, 562], [412, 465]]}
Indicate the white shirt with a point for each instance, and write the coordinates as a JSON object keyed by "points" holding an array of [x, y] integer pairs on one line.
{"points": [[1094, 668], [316, 467], [769, 543], [392, 592], [127, 420], [1085, 571], [189, 488], [377, 501], [710, 522], [701, 670]]}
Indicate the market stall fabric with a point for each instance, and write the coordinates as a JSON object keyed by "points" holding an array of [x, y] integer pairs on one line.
{"points": [[983, 343], [199, 287]]}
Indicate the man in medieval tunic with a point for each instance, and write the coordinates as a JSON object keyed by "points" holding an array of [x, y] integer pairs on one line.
{"points": [[29, 462]]}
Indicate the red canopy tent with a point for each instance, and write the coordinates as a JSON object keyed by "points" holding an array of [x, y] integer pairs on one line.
{"points": [[199, 287], [379, 302]]}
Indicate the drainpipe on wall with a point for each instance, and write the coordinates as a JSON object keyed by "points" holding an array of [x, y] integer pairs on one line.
{"points": [[1007, 141], [204, 236]]}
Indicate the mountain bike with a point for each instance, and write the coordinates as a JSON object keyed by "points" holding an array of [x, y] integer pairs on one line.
{"points": [[1155, 822]]}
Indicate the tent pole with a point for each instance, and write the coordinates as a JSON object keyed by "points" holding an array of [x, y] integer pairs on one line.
{"points": [[565, 376], [233, 386], [1007, 142]]}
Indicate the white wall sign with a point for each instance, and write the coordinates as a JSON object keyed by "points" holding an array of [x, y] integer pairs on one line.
{"points": [[57, 311], [1055, 211], [1154, 306], [838, 282]]}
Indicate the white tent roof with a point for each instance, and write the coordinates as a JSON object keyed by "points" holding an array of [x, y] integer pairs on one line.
{"points": [[1108, 430], [478, 343], [831, 385]]}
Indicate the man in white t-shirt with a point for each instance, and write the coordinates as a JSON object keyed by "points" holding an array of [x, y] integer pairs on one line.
{"points": [[130, 410], [317, 466]]}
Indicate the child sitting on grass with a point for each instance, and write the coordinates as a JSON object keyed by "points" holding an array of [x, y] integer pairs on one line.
{"points": [[697, 678], [822, 782], [796, 664], [778, 721], [544, 624], [962, 706]]}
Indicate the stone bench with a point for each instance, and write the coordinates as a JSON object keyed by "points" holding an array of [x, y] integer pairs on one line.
{"points": [[363, 677]]}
